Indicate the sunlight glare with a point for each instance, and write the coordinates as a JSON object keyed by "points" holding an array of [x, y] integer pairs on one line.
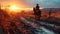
{"points": [[13, 8]]}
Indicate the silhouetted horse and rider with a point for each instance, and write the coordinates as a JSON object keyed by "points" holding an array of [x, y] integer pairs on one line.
{"points": [[37, 12]]}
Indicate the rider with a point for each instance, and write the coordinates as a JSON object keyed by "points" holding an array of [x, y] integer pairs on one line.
{"points": [[37, 12]]}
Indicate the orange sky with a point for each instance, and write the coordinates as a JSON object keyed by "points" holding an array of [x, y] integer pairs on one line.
{"points": [[19, 3]]}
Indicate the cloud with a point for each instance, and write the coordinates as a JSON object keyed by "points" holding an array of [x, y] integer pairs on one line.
{"points": [[32, 3], [46, 3]]}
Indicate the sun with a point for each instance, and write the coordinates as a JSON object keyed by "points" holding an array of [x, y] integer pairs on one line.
{"points": [[13, 8]]}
